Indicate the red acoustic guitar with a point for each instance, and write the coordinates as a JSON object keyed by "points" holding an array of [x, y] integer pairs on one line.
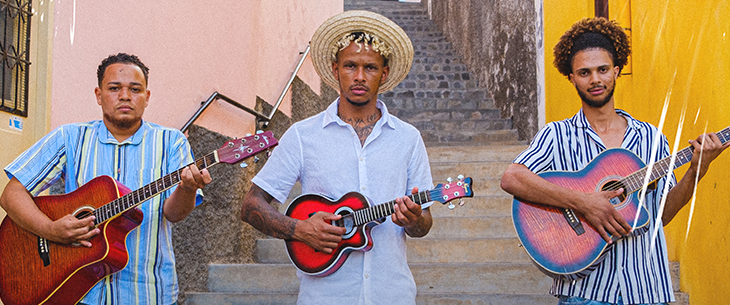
{"points": [[34, 270], [561, 242], [358, 217]]}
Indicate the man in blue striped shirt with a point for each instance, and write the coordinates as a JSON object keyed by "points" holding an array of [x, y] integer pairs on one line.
{"points": [[635, 268], [132, 151]]}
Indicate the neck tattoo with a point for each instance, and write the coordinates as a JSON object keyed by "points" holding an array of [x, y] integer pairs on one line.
{"points": [[363, 127]]}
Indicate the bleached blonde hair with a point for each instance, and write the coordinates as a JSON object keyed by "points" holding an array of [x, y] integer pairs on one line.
{"points": [[363, 39]]}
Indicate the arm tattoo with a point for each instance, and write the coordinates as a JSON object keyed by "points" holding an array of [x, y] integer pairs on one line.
{"points": [[422, 227], [258, 212]]}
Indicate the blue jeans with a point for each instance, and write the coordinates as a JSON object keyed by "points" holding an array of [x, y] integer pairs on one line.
{"points": [[563, 300]]}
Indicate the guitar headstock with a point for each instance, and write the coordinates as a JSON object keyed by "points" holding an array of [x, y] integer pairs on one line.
{"points": [[454, 190], [236, 150]]}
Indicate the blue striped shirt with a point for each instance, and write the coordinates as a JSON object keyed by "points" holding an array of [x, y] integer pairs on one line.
{"points": [[631, 268], [80, 152]]}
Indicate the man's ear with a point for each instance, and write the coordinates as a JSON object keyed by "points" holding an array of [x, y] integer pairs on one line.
{"points": [[335, 72], [97, 92], [386, 72]]}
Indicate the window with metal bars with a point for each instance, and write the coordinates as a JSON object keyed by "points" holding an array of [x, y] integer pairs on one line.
{"points": [[15, 18]]}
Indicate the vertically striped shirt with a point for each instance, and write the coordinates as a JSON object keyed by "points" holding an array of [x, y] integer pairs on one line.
{"points": [[83, 151], [631, 268]]}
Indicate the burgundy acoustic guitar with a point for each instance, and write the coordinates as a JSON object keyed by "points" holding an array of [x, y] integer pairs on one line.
{"points": [[34, 270], [358, 217], [561, 242]]}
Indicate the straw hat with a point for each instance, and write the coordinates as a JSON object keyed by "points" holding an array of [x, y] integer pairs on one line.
{"points": [[336, 27]]}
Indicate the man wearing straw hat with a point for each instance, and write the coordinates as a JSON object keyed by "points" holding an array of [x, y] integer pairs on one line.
{"points": [[354, 145]]}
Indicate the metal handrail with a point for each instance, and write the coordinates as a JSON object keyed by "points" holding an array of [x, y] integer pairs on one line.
{"points": [[265, 119]]}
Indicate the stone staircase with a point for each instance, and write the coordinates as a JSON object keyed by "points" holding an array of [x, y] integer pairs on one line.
{"points": [[439, 96], [471, 255]]}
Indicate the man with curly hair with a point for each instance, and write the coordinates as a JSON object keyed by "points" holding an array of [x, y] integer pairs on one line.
{"points": [[635, 268]]}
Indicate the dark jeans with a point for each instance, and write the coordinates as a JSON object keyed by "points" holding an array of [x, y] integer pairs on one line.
{"points": [[563, 300]]}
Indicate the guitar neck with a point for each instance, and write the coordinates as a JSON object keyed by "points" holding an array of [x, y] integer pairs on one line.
{"points": [[635, 181], [382, 210], [133, 199]]}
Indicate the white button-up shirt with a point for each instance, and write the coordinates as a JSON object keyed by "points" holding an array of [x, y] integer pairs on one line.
{"points": [[324, 153]]}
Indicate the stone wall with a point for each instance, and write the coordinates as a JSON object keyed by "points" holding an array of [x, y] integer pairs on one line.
{"points": [[214, 232], [497, 41]]}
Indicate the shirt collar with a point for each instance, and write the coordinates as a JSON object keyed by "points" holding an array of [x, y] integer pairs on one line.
{"points": [[106, 137], [331, 116], [580, 120]]}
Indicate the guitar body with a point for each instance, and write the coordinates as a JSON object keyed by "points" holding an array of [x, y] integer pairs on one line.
{"points": [[545, 233], [73, 270], [318, 263]]}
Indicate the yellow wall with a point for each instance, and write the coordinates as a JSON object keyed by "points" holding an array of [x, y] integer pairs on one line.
{"points": [[37, 123], [681, 54]]}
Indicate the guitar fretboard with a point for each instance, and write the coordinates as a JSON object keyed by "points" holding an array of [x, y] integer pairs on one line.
{"points": [[382, 210], [136, 197], [635, 181]]}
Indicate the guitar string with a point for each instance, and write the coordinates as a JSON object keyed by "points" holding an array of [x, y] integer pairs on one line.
{"points": [[126, 202], [367, 215], [683, 156]]}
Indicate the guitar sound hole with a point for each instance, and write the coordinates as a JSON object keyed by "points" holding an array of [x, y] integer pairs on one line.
{"points": [[612, 186], [347, 222], [83, 213]]}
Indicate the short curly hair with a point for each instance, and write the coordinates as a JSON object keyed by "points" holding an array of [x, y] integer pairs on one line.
{"points": [[121, 58], [607, 35]]}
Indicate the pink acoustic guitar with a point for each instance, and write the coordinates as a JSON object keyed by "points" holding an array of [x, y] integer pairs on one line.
{"points": [[37, 271], [561, 242], [358, 217]]}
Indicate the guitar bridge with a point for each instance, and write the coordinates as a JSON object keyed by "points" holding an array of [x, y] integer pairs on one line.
{"points": [[573, 221]]}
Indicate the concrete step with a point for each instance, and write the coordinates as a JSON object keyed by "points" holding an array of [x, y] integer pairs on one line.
{"points": [[461, 138], [466, 154], [480, 172], [472, 227], [414, 115], [463, 124], [497, 205], [424, 250], [214, 298], [485, 299], [235, 298], [442, 278]]}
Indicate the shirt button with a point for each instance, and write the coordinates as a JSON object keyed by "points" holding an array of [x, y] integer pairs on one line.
{"points": [[363, 188], [367, 275], [362, 159]]}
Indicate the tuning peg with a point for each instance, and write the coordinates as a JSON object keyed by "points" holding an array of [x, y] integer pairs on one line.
{"points": [[460, 177], [248, 134], [461, 202], [255, 159], [259, 131], [268, 153], [449, 180], [244, 164], [451, 206]]}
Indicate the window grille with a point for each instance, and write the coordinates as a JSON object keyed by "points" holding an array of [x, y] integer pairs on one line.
{"points": [[15, 18]]}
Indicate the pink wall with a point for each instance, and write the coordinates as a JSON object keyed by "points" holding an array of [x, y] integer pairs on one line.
{"points": [[240, 48]]}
